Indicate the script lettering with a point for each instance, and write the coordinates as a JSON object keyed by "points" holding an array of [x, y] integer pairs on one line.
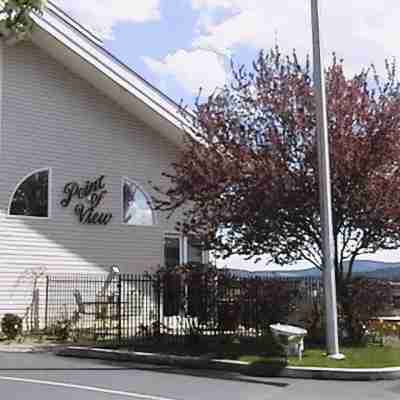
{"points": [[93, 193]]}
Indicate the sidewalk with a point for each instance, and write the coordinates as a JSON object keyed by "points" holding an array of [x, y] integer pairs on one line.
{"points": [[30, 347]]}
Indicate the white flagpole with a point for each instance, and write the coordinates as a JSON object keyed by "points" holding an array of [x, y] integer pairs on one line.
{"points": [[325, 192]]}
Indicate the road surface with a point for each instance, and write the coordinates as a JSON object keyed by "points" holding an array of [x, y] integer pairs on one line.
{"points": [[47, 377]]}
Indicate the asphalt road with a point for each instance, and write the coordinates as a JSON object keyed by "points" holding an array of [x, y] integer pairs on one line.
{"points": [[47, 377]]}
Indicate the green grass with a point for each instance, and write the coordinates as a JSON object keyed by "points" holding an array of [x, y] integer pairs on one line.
{"points": [[356, 357]]}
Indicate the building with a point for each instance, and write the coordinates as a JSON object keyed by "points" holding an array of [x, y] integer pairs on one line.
{"points": [[81, 137]]}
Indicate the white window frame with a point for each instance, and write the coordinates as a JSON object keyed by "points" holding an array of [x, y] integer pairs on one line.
{"points": [[184, 248], [173, 235], [49, 195], [146, 195]]}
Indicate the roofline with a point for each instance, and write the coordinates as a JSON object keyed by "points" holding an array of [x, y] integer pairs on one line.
{"points": [[98, 41], [89, 33], [53, 20]]}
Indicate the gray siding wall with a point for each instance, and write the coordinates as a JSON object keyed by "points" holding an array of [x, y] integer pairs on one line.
{"points": [[52, 118]]}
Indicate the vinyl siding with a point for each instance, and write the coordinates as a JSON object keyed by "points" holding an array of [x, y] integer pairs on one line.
{"points": [[52, 118]]}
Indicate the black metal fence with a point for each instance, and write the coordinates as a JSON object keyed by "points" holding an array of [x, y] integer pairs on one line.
{"points": [[138, 308], [101, 307]]}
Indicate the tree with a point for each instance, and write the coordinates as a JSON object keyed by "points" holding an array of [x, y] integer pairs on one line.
{"points": [[247, 177], [15, 19]]}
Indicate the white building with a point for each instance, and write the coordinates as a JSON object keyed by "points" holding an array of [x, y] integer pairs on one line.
{"points": [[81, 136]]}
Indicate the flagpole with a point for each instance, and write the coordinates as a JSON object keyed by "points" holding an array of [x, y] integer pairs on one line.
{"points": [[328, 247]]}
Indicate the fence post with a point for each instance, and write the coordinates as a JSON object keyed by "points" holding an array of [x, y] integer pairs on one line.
{"points": [[256, 306], [158, 283], [35, 309], [119, 309], [46, 309]]}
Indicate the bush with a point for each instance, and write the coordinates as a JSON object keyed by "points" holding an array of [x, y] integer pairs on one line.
{"points": [[361, 300], [188, 289], [379, 331], [312, 318], [11, 326], [228, 315], [225, 302], [62, 329]]}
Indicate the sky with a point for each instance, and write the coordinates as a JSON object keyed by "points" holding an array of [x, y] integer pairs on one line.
{"points": [[182, 45]]}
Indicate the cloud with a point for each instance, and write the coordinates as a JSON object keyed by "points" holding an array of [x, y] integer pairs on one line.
{"points": [[361, 31], [252, 28], [103, 15], [227, 4], [192, 69], [210, 4]]}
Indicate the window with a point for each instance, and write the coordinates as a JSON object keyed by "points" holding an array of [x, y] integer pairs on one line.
{"points": [[176, 295], [172, 251], [31, 197], [181, 250], [137, 209], [195, 251]]}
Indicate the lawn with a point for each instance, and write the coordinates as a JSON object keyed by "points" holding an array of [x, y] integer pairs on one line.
{"points": [[356, 357], [265, 352]]}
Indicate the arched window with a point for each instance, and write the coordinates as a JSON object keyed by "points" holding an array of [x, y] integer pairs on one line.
{"points": [[136, 205], [31, 197]]}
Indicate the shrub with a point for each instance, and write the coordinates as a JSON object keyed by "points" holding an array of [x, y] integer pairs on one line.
{"points": [[379, 330], [62, 329], [312, 318], [228, 315], [225, 302], [361, 300], [266, 301], [268, 344], [11, 326], [188, 289]]}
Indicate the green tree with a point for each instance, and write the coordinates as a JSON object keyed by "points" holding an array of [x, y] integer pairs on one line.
{"points": [[15, 17]]}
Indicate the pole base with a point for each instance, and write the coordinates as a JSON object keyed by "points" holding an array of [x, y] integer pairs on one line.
{"points": [[337, 356]]}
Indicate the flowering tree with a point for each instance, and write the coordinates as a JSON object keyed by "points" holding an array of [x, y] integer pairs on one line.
{"points": [[248, 176], [15, 20]]}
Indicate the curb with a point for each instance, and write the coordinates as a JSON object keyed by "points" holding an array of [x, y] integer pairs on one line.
{"points": [[260, 370], [16, 349], [152, 358]]}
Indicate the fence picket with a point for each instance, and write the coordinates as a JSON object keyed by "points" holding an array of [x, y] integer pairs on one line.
{"points": [[139, 308]]}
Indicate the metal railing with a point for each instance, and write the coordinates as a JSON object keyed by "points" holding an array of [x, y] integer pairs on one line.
{"points": [[127, 308]]}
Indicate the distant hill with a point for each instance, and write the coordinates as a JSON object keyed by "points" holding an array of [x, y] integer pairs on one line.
{"points": [[373, 269]]}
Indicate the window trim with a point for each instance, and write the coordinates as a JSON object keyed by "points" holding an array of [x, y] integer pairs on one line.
{"points": [[49, 196], [146, 195], [183, 248], [204, 253], [173, 235]]}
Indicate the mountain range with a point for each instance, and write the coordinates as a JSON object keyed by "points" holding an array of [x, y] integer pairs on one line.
{"points": [[372, 269]]}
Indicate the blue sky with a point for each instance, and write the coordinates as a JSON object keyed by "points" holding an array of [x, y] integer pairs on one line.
{"points": [[180, 45]]}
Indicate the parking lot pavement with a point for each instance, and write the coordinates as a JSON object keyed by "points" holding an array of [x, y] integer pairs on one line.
{"points": [[45, 377]]}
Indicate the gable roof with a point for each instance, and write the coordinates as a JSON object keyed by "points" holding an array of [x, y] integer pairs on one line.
{"points": [[81, 51]]}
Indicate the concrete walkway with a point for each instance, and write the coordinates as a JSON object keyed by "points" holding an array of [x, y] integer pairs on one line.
{"points": [[30, 347]]}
